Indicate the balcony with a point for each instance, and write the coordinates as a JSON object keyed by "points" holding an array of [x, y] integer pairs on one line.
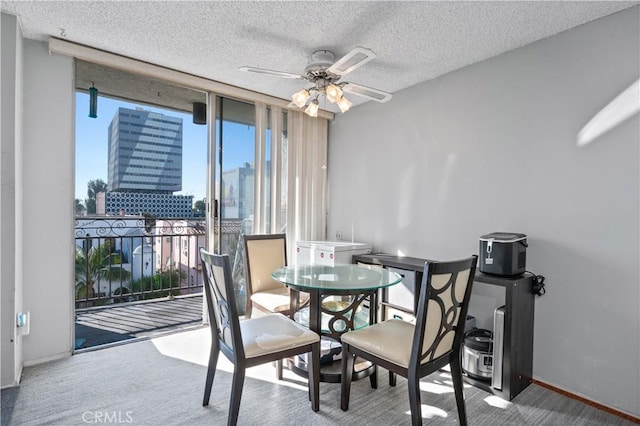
{"points": [[137, 276], [122, 322]]}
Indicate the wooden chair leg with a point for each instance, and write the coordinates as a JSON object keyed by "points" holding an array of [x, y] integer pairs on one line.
{"points": [[392, 378], [347, 373], [414, 400], [211, 372], [456, 376], [314, 377], [236, 395], [248, 308], [373, 378]]}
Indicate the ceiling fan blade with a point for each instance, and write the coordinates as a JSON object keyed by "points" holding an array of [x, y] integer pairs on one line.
{"points": [[352, 60], [271, 72], [367, 92]]}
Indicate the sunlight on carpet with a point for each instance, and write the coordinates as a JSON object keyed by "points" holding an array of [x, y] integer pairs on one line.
{"points": [[429, 412], [436, 388], [193, 346], [497, 402], [442, 385]]}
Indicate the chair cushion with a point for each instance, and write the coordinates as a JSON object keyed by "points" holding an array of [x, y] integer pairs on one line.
{"points": [[273, 333], [272, 300], [275, 300], [390, 340]]}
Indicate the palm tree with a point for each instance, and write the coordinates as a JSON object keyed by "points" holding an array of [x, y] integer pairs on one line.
{"points": [[95, 264]]}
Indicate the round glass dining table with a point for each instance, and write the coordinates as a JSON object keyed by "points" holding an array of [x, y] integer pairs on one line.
{"points": [[338, 279], [342, 297]]}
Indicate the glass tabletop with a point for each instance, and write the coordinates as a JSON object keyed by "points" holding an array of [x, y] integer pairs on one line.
{"points": [[337, 278]]}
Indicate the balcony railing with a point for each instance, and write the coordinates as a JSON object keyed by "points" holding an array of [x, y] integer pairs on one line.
{"points": [[130, 258]]}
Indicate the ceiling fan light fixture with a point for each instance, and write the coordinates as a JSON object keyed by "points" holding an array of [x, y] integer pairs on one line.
{"points": [[344, 104], [312, 109], [333, 93], [324, 73], [300, 98]]}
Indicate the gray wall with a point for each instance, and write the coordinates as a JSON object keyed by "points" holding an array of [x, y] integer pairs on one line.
{"points": [[46, 204], [493, 147], [10, 119], [36, 210]]}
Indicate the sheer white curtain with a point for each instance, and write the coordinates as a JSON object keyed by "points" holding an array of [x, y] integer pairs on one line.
{"points": [[307, 179], [297, 175]]}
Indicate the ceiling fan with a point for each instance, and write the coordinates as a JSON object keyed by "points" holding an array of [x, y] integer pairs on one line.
{"points": [[324, 73]]}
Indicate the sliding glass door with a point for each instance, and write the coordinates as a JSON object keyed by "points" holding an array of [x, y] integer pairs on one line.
{"points": [[235, 174], [248, 178]]}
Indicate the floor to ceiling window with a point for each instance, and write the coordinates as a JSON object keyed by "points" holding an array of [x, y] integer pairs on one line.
{"points": [[289, 175], [142, 191], [141, 181]]}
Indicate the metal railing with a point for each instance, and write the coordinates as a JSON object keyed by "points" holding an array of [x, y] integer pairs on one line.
{"points": [[131, 258]]}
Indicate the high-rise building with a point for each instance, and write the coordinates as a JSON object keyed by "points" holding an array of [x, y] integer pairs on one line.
{"points": [[237, 192], [145, 152]]}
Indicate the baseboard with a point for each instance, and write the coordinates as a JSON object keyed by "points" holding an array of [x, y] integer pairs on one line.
{"points": [[46, 359], [16, 381], [597, 405]]}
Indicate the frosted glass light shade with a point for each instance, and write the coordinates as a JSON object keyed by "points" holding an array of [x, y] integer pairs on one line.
{"points": [[312, 109], [333, 92], [344, 104], [300, 98]]}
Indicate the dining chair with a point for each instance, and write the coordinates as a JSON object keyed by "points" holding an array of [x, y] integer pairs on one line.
{"points": [[253, 341], [415, 351], [263, 254]]}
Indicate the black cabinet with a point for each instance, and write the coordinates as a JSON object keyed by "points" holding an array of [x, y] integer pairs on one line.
{"points": [[518, 334], [397, 301], [519, 301]]}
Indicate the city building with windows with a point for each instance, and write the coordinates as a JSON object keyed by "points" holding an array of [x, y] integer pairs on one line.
{"points": [[237, 192], [158, 205], [145, 166], [145, 152]]}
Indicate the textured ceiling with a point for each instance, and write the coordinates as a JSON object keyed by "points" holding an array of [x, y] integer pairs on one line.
{"points": [[414, 41]]}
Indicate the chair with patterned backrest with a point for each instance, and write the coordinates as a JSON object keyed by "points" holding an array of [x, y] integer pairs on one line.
{"points": [[415, 351], [250, 342]]}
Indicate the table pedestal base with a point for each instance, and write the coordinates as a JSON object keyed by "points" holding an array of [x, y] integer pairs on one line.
{"points": [[331, 372]]}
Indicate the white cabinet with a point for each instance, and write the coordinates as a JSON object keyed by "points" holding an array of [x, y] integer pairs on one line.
{"points": [[328, 252]]}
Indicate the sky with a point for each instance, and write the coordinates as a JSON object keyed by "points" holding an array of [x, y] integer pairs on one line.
{"points": [[92, 140]]}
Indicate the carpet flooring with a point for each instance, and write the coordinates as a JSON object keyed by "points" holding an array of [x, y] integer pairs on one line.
{"points": [[161, 381]]}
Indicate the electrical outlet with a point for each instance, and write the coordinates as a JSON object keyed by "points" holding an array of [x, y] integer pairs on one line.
{"points": [[338, 235], [23, 322]]}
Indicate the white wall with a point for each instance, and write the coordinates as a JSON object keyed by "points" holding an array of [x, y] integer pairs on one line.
{"points": [[47, 206], [11, 73], [492, 147]]}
